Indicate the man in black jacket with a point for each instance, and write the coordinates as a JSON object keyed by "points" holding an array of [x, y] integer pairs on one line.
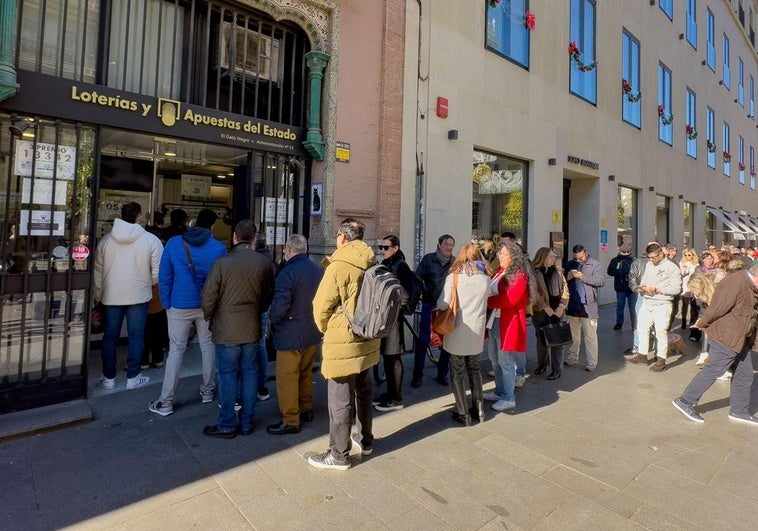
{"points": [[618, 268], [432, 272]]}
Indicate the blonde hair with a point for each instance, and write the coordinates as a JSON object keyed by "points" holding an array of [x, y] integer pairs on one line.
{"points": [[694, 259], [702, 286], [540, 257], [466, 260]]}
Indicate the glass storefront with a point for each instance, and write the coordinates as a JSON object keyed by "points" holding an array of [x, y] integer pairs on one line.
{"points": [[499, 196], [626, 208], [662, 222], [688, 210]]}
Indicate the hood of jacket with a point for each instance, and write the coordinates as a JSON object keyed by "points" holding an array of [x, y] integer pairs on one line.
{"points": [[124, 232], [356, 253], [197, 236]]}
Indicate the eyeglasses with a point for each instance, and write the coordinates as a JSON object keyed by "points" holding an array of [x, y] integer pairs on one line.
{"points": [[688, 254], [384, 247]]}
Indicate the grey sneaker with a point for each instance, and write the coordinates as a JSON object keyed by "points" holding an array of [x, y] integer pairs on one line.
{"points": [[688, 410], [365, 450], [328, 461], [107, 383], [206, 396], [163, 409], [388, 405], [137, 381], [745, 419]]}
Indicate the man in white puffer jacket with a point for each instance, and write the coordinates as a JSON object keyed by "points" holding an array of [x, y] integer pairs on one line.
{"points": [[126, 267]]}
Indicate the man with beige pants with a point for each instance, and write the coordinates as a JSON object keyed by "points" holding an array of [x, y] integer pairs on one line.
{"points": [[295, 335], [661, 281]]}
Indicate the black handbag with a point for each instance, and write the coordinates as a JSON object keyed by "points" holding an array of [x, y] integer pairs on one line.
{"points": [[556, 334]]}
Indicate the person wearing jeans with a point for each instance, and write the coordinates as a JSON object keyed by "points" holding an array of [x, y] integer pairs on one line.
{"points": [[126, 269], [238, 290], [730, 320]]}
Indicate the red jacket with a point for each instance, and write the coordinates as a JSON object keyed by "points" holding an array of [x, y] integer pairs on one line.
{"points": [[511, 300]]}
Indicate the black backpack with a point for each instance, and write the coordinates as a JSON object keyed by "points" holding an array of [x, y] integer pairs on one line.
{"points": [[380, 300]]}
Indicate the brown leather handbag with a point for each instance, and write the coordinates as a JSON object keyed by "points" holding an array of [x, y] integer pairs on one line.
{"points": [[444, 320]]}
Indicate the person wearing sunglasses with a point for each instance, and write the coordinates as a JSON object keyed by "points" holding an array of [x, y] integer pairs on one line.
{"points": [[392, 344], [687, 265]]}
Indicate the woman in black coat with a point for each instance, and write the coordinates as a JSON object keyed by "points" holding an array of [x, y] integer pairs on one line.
{"points": [[392, 345]]}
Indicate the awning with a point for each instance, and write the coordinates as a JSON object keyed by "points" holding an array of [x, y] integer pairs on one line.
{"points": [[750, 222], [738, 233], [745, 228]]}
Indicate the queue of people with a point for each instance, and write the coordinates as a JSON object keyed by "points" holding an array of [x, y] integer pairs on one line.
{"points": [[491, 293]]}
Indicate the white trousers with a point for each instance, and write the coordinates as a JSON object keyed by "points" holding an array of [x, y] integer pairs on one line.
{"points": [[654, 314]]}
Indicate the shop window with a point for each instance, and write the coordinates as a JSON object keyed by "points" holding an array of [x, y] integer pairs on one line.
{"points": [[626, 203], [507, 31], [690, 128], [665, 118], [59, 37], [631, 103], [662, 220], [583, 76], [692, 23], [499, 195], [688, 210]]}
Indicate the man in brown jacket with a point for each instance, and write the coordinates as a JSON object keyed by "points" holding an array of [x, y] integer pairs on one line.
{"points": [[239, 288], [347, 358], [731, 324]]}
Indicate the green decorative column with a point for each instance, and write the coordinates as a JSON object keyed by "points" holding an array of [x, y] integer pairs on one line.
{"points": [[314, 142], [8, 85]]}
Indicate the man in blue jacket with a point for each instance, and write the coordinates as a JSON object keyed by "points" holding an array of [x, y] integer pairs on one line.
{"points": [[185, 264], [295, 335], [619, 268], [584, 275]]}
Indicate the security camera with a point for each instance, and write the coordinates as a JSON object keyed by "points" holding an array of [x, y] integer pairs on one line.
{"points": [[17, 128]]}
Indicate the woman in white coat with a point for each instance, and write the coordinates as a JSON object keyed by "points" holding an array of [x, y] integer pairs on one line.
{"points": [[466, 341]]}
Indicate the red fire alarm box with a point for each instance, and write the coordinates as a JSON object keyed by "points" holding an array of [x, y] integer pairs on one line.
{"points": [[441, 107]]}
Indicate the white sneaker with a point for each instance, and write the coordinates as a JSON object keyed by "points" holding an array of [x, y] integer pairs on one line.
{"points": [[137, 381], [502, 405], [206, 397], [725, 377], [702, 359], [491, 397], [107, 383], [520, 381]]}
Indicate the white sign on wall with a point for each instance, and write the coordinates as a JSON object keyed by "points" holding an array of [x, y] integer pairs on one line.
{"points": [[283, 208], [45, 160], [43, 192], [42, 223], [196, 185], [276, 235]]}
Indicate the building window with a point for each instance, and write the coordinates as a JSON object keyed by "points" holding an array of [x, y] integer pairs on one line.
{"points": [[690, 128], [710, 126], [145, 50], [499, 189], [60, 38], [710, 40], [631, 111], [725, 147], [740, 82], [691, 29], [726, 72], [665, 130], [688, 210], [662, 209], [626, 204], [741, 159], [751, 95], [582, 32], [667, 6], [507, 33], [752, 168]]}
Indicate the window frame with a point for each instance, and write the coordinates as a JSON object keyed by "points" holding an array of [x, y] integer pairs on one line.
{"points": [[725, 134], [630, 71], [667, 6], [579, 35], [726, 72], [710, 40], [740, 159], [527, 33], [665, 132], [740, 82], [710, 126], [690, 24], [690, 112]]}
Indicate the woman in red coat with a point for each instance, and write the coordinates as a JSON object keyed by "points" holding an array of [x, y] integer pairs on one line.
{"points": [[511, 290]]}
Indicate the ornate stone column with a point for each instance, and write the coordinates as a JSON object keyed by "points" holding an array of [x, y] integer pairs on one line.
{"points": [[8, 85], [314, 142]]}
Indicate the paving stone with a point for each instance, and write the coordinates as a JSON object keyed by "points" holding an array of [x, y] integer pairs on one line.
{"points": [[516, 454], [339, 511], [734, 477], [581, 514], [420, 519], [276, 510], [698, 466], [652, 517]]}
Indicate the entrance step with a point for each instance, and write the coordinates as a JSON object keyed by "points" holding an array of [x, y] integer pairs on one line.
{"points": [[43, 419]]}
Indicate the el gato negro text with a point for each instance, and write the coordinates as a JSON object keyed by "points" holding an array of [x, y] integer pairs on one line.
{"points": [[189, 115]]}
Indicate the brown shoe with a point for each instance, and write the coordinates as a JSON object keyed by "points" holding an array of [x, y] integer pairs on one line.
{"points": [[659, 365], [638, 358]]}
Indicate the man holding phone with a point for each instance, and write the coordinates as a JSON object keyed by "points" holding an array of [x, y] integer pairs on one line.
{"points": [[584, 277]]}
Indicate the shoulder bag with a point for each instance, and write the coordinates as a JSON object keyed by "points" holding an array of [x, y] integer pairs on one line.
{"points": [[555, 333], [444, 320]]}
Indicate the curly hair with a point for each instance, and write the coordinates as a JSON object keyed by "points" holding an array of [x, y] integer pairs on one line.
{"points": [[520, 262]]}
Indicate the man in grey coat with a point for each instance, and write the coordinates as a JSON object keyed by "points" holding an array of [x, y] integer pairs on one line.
{"points": [[584, 276], [660, 283]]}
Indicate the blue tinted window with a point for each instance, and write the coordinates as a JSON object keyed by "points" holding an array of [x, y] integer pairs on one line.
{"points": [[692, 23], [727, 73], [507, 33], [582, 73], [667, 6], [690, 127], [726, 149], [710, 40], [631, 100], [665, 117], [711, 147]]}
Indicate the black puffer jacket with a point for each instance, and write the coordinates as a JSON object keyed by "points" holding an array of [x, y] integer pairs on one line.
{"points": [[432, 272], [238, 290]]}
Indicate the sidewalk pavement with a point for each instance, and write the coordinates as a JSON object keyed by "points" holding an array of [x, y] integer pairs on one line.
{"points": [[602, 450]]}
